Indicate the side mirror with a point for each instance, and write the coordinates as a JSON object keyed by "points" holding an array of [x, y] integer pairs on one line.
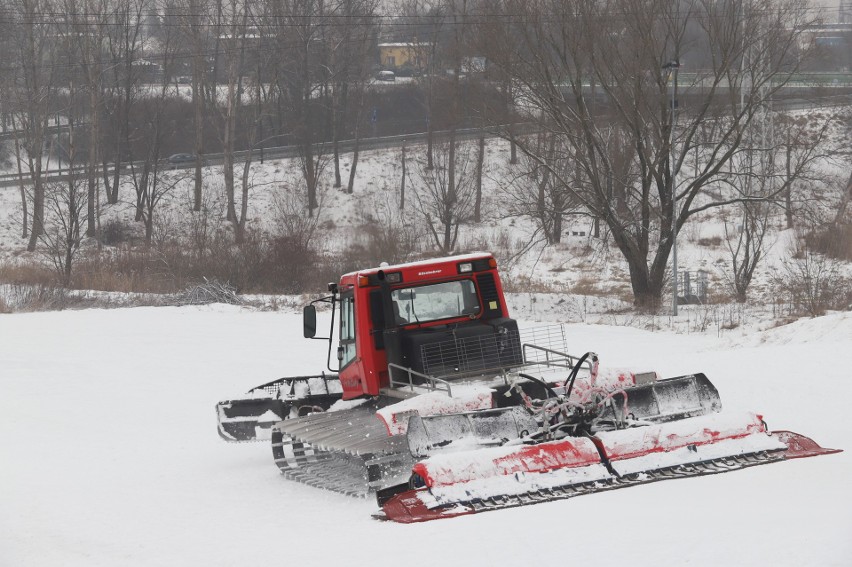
{"points": [[309, 321], [340, 354]]}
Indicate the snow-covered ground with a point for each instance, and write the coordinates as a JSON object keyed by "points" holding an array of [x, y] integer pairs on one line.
{"points": [[109, 454]]}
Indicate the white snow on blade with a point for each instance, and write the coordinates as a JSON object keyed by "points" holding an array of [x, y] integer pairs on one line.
{"points": [[262, 433], [259, 394], [109, 455], [341, 405], [464, 398], [428, 263], [324, 386], [316, 386], [510, 485], [675, 434], [684, 456], [457, 467], [269, 416]]}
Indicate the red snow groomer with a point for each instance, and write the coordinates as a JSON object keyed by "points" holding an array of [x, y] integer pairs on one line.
{"points": [[441, 406]]}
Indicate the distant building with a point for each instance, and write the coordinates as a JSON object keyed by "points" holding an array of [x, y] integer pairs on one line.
{"points": [[409, 54], [845, 12], [833, 44]]}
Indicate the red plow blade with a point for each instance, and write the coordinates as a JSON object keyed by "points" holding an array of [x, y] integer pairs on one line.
{"points": [[555, 471], [799, 446]]}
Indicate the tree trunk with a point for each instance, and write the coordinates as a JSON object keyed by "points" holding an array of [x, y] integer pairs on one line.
{"points": [[788, 206], [24, 214], [92, 166], [198, 105], [337, 117], [38, 210], [480, 158], [844, 202], [556, 236], [402, 181], [451, 194], [228, 152], [513, 150], [240, 227], [350, 188]]}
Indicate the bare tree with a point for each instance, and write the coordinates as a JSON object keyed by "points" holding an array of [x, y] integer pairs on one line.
{"points": [[293, 28], [801, 150], [234, 19], [67, 207], [426, 20], [623, 149], [150, 183], [82, 25], [537, 194], [747, 245], [123, 40], [444, 197], [33, 93], [193, 19], [352, 76], [349, 54]]}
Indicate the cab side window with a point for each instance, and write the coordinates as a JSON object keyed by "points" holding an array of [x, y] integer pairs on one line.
{"points": [[347, 329]]}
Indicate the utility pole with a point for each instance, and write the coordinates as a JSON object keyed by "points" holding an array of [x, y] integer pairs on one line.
{"points": [[672, 68]]}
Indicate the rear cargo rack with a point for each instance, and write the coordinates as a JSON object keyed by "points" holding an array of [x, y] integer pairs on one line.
{"points": [[495, 355], [317, 384]]}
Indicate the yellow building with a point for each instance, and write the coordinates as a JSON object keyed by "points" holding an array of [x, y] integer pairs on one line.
{"points": [[396, 55]]}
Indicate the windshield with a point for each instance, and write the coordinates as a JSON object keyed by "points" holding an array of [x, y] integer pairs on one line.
{"points": [[437, 301]]}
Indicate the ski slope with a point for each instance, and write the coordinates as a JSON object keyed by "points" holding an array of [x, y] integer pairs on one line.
{"points": [[109, 455]]}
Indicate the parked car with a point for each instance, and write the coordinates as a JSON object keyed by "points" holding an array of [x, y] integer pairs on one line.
{"points": [[386, 76], [181, 160]]}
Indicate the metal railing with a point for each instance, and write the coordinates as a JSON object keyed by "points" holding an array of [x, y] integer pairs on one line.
{"points": [[497, 355], [431, 383]]}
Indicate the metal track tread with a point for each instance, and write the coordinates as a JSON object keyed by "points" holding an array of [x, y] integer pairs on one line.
{"points": [[338, 475], [327, 451], [356, 431], [714, 466]]}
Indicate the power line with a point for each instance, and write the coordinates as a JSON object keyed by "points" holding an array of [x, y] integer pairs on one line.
{"points": [[332, 19]]}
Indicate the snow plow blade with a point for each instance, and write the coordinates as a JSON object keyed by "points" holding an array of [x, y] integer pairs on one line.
{"points": [[428, 435], [458, 484], [251, 418]]}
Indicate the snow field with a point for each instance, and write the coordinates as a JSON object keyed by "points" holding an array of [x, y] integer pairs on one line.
{"points": [[109, 455]]}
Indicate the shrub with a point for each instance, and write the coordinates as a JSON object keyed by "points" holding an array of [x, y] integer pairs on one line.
{"points": [[811, 284], [833, 241]]}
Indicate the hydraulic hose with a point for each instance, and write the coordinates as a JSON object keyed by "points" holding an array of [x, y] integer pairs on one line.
{"points": [[576, 370]]}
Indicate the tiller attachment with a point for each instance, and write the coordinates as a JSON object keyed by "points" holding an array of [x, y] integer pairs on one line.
{"points": [[596, 437]]}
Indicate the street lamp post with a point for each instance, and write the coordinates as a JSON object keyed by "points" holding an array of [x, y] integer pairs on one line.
{"points": [[672, 67]]}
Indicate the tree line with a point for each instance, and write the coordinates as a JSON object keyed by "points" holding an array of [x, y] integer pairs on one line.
{"points": [[618, 136]]}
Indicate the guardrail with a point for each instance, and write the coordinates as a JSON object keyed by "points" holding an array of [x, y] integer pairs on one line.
{"points": [[284, 152]]}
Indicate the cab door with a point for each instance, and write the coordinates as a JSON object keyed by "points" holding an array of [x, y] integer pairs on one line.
{"points": [[350, 369]]}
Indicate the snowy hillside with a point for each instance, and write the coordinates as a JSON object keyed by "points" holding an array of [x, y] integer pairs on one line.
{"points": [[110, 457], [580, 264]]}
